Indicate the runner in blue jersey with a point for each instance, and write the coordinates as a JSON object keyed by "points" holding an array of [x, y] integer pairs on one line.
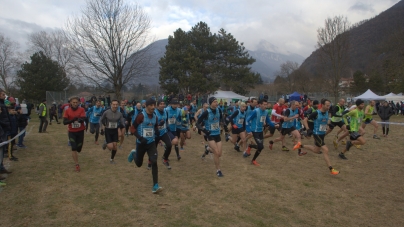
{"points": [[94, 114], [255, 123], [146, 128], [173, 118], [237, 121], [212, 118], [184, 127], [320, 120]]}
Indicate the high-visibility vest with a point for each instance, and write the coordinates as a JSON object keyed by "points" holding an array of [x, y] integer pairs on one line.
{"points": [[44, 109]]}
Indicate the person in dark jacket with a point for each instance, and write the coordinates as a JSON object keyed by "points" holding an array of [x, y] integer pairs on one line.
{"points": [[53, 113], [22, 122], [385, 112], [5, 126], [13, 131]]}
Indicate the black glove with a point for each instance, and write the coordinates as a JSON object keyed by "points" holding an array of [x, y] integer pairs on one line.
{"points": [[206, 132], [161, 123], [143, 140], [102, 132], [80, 120], [225, 128]]}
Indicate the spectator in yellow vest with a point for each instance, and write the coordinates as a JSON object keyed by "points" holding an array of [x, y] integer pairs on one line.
{"points": [[43, 116]]}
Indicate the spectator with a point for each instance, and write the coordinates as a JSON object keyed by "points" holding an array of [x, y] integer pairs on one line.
{"points": [[53, 114], [385, 112], [398, 108], [5, 126], [181, 98], [43, 116], [22, 122], [266, 97], [13, 130], [189, 98]]}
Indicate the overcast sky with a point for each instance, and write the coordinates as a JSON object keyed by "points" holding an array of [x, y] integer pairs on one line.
{"points": [[291, 25]]}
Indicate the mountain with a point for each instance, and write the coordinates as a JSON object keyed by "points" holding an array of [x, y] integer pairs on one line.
{"points": [[368, 40], [268, 60]]}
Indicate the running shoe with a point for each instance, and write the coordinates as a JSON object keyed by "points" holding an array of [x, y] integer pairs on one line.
{"points": [[156, 189], [149, 165], [219, 173], [297, 146], [179, 157], [343, 142], [120, 147], [237, 148], [227, 136], [166, 164], [131, 155], [285, 149], [301, 153], [376, 137], [206, 149], [334, 171], [77, 168], [111, 161], [2, 183], [254, 162], [182, 149], [335, 143], [358, 146], [271, 145], [342, 156], [104, 146], [348, 145], [22, 146]]}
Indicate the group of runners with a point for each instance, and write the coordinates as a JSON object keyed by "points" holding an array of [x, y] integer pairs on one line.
{"points": [[155, 123]]}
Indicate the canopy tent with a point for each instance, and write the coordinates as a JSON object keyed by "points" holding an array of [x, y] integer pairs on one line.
{"points": [[369, 95], [395, 98], [294, 96], [227, 96], [391, 94]]}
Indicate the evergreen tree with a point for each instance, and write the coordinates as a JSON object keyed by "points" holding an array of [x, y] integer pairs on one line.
{"points": [[41, 75], [359, 83]]}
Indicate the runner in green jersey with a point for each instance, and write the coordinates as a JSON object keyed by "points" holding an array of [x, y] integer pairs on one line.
{"points": [[336, 120], [356, 116], [368, 119]]}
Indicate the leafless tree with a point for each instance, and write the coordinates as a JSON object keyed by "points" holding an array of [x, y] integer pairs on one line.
{"points": [[333, 45], [9, 61], [110, 38], [286, 72], [56, 46]]}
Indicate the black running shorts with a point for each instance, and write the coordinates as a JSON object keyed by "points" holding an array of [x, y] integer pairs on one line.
{"points": [[286, 131], [319, 140], [354, 135], [237, 131], [76, 140], [111, 135], [216, 138]]}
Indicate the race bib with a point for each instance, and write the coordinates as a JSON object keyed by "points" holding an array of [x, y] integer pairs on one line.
{"points": [[76, 124], [323, 128], [240, 121], [95, 114], [185, 125], [171, 121], [112, 124], [148, 132], [162, 127], [262, 119], [214, 126]]}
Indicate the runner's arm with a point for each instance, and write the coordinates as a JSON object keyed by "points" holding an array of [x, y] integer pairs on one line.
{"points": [[269, 122], [203, 117], [233, 116], [139, 119]]}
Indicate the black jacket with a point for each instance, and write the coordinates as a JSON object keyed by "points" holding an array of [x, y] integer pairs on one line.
{"points": [[22, 120], [385, 112], [4, 117]]}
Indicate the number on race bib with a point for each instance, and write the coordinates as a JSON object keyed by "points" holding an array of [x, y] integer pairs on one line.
{"points": [[76, 124], [171, 121], [262, 119], [214, 126], [148, 132], [95, 114], [240, 121], [162, 127], [112, 124], [323, 128]]}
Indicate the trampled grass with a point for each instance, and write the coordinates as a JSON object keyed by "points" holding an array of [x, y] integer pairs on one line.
{"points": [[286, 190]]}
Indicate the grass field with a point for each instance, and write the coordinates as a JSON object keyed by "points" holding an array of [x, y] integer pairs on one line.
{"points": [[286, 190]]}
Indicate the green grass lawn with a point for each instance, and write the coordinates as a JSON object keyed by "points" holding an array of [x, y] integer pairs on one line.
{"points": [[286, 190]]}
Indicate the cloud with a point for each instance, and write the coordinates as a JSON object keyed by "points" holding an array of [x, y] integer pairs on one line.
{"points": [[362, 7]]}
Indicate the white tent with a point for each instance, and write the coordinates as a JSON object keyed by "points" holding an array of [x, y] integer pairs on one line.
{"points": [[369, 95], [394, 97], [391, 94], [227, 96]]}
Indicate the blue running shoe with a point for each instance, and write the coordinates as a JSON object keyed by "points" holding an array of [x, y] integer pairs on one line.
{"points": [[227, 136], [219, 173], [131, 155], [157, 188]]}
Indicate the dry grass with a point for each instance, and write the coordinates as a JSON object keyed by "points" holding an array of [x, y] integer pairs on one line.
{"points": [[286, 190]]}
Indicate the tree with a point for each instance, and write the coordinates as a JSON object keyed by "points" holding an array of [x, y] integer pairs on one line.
{"points": [[286, 72], [233, 64], [8, 62], [200, 61], [359, 83], [54, 45], [41, 75], [110, 38], [333, 45]]}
